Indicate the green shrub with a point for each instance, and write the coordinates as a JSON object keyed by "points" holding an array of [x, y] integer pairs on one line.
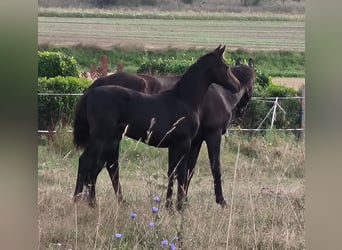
{"points": [[52, 64], [171, 65], [53, 109], [164, 66], [262, 79], [276, 90]]}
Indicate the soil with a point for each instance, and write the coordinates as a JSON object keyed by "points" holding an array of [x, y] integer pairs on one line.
{"points": [[292, 82]]}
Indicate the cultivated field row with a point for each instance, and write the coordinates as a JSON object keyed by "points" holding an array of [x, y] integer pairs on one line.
{"points": [[159, 33]]}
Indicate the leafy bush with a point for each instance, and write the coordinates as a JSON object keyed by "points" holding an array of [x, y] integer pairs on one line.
{"points": [[171, 65], [164, 66], [52, 64], [261, 78], [53, 109]]}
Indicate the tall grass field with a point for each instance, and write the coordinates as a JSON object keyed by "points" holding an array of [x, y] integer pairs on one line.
{"points": [[263, 181]]}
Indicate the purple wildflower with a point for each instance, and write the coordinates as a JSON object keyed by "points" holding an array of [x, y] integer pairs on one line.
{"points": [[155, 210], [151, 224], [134, 215], [172, 247], [156, 199], [118, 236], [165, 243]]}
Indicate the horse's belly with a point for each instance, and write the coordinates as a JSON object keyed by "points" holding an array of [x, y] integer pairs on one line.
{"points": [[147, 135], [157, 137]]}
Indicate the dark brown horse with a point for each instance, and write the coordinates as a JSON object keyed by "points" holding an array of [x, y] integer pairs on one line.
{"points": [[140, 82], [169, 119]]}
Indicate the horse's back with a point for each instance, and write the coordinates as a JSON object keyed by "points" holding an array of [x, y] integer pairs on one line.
{"points": [[122, 79], [153, 86]]}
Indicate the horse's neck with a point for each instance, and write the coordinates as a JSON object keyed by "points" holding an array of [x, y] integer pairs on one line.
{"points": [[235, 98], [192, 87]]}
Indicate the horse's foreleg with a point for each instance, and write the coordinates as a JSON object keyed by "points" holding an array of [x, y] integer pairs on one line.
{"points": [[113, 170], [92, 185], [213, 144], [178, 157], [181, 188], [171, 178], [193, 156]]}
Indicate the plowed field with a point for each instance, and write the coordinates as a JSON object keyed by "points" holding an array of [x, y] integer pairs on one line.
{"points": [[160, 33]]}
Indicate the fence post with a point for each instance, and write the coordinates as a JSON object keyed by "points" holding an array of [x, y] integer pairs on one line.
{"points": [[303, 111], [275, 105]]}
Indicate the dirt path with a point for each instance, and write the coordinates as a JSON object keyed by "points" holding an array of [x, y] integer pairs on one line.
{"points": [[292, 82]]}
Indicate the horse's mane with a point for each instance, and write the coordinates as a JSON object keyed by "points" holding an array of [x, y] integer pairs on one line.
{"points": [[203, 61], [243, 73]]}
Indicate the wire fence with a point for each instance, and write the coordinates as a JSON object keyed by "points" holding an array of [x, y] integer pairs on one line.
{"points": [[271, 113]]}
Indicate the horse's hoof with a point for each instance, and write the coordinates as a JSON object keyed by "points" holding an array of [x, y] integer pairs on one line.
{"points": [[123, 201], [222, 202], [180, 207], [77, 197], [92, 203]]}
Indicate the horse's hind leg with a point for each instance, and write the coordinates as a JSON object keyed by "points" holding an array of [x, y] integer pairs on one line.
{"points": [[88, 165], [213, 144], [112, 165], [80, 179]]}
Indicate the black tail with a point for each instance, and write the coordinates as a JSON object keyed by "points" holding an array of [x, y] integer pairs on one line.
{"points": [[81, 126]]}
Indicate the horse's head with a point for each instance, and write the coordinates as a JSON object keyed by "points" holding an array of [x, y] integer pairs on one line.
{"points": [[246, 76], [220, 72]]}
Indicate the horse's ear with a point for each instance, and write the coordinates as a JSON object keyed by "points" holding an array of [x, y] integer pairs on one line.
{"points": [[238, 62], [221, 50], [250, 63], [218, 48]]}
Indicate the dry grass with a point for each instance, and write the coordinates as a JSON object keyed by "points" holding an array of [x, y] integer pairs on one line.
{"points": [[263, 181]]}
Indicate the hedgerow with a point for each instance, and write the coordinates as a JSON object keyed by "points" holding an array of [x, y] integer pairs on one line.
{"points": [[52, 109], [52, 64]]}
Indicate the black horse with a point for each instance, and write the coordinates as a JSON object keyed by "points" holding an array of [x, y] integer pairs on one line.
{"points": [[230, 108], [169, 119]]}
